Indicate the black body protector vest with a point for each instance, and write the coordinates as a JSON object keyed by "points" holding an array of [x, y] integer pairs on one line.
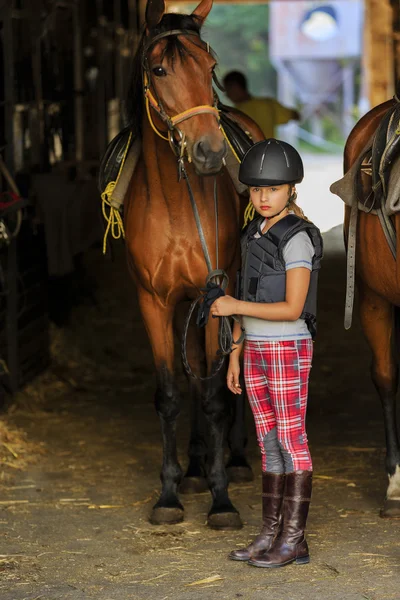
{"points": [[263, 274]]}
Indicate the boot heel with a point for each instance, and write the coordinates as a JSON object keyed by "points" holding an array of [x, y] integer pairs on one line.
{"points": [[304, 560]]}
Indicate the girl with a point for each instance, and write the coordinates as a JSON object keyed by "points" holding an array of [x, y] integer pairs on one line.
{"points": [[277, 297]]}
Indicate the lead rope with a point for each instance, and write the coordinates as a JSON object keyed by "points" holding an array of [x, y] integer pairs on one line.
{"points": [[225, 335]]}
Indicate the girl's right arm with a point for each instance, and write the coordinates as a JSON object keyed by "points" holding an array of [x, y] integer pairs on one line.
{"points": [[232, 377]]}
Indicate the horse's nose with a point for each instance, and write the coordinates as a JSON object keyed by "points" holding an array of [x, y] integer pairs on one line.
{"points": [[206, 156]]}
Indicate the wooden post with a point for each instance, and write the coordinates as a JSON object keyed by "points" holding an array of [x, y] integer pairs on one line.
{"points": [[36, 112], [9, 83], [134, 18], [378, 44], [348, 98], [101, 80], [142, 12], [78, 83], [396, 42]]}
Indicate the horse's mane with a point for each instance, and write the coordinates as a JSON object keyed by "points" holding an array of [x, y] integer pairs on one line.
{"points": [[134, 105]]}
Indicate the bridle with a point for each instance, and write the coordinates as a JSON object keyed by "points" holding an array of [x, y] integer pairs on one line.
{"points": [[175, 136], [176, 139]]}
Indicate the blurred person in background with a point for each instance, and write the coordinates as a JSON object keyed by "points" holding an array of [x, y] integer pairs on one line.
{"points": [[268, 113]]}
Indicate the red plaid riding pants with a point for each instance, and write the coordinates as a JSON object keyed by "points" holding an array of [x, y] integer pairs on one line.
{"points": [[276, 376]]}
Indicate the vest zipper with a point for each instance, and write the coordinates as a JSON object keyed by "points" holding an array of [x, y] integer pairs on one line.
{"points": [[244, 278]]}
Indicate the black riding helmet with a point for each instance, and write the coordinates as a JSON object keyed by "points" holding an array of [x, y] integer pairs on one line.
{"points": [[271, 162]]}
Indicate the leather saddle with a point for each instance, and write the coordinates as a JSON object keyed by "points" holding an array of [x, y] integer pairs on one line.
{"points": [[377, 161], [238, 138], [112, 158]]}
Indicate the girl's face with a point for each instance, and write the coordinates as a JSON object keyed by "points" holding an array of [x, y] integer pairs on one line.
{"points": [[270, 200]]}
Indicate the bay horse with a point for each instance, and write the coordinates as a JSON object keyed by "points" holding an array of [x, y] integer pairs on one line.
{"points": [[172, 84], [378, 283]]}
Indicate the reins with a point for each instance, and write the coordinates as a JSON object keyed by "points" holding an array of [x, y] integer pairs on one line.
{"points": [[179, 147]]}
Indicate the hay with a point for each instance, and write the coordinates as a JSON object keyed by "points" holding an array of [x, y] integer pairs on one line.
{"points": [[16, 451]]}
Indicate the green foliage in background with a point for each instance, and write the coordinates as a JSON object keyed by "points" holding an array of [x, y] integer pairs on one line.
{"points": [[239, 35]]}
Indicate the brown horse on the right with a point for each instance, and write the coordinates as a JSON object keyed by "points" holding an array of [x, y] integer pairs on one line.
{"points": [[378, 283]]}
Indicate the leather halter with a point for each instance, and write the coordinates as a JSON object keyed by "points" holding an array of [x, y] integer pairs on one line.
{"points": [[155, 103]]}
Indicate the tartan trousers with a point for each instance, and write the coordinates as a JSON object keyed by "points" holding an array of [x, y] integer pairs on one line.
{"points": [[276, 376]]}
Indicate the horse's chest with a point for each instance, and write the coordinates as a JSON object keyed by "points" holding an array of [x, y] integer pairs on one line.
{"points": [[172, 260]]}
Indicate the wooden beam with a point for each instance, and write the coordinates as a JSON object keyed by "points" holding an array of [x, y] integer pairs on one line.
{"points": [[378, 50]]}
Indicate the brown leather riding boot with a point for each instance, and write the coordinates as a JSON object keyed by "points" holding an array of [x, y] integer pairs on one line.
{"points": [[273, 485], [290, 545]]}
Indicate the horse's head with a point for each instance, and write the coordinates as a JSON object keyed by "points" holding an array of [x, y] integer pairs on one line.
{"points": [[179, 68]]}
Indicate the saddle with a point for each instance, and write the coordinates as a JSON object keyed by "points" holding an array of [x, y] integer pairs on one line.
{"points": [[376, 162], [113, 157], [385, 148], [367, 181], [239, 139]]}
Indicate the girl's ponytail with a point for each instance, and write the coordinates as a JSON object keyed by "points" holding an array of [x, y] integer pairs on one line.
{"points": [[295, 207]]}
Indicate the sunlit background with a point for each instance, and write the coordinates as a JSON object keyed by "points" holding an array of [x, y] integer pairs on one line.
{"points": [[308, 56]]}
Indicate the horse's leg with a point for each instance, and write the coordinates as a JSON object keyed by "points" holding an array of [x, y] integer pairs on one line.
{"points": [[194, 480], [158, 320], [377, 321], [223, 514], [238, 468]]}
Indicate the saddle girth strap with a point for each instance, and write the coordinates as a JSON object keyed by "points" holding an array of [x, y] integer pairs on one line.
{"points": [[351, 263]]}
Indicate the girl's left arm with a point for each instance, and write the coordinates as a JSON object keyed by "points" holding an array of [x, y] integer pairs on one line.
{"points": [[297, 284]]}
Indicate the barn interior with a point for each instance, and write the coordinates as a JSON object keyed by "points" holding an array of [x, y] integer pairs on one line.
{"points": [[80, 442]]}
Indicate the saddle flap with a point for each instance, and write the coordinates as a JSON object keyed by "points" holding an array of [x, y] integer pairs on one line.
{"points": [[112, 159], [356, 183], [385, 148], [240, 141]]}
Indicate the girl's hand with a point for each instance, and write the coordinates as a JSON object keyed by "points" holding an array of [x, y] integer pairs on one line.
{"points": [[232, 377], [224, 307]]}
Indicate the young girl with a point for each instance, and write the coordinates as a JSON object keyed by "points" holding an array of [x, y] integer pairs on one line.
{"points": [[277, 297]]}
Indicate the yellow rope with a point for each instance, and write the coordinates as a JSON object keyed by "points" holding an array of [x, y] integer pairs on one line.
{"points": [[249, 212], [113, 218]]}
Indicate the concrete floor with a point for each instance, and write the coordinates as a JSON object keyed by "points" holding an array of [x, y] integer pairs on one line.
{"points": [[75, 522]]}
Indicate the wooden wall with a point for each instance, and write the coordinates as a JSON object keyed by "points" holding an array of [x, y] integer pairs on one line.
{"points": [[379, 51]]}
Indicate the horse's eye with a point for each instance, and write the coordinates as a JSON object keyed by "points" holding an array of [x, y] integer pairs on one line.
{"points": [[159, 72]]}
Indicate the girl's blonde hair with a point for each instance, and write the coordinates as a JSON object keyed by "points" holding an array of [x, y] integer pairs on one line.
{"points": [[295, 207]]}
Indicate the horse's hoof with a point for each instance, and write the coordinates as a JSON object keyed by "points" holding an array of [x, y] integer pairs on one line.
{"points": [[227, 520], [391, 509], [161, 515], [193, 485], [239, 474]]}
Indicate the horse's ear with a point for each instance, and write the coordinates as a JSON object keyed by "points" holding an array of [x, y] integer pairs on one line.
{"points": [[203, 9], [155, 10]]}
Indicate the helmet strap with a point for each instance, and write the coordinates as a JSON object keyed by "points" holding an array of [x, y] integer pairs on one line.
{"points": [[281, 211]]}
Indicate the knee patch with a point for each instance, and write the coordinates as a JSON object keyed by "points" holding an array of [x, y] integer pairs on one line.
{"points": [[274, 458], [287, 458]]}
